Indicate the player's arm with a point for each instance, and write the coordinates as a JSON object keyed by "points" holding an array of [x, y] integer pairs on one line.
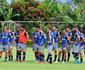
{"points": [[14, 35], [83, 38], [51, 37], [78, 37], [70, 36], [45, 39], [27, 35], [59, 36]]}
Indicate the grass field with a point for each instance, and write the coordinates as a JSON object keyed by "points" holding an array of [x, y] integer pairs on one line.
{"points": [[31, 65]]}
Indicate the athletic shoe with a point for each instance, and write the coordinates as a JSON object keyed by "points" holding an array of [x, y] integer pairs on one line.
{"points": [[63, 62], [56, 62]]}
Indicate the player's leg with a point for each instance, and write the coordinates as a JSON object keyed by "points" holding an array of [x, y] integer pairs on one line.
{"points": [[55, 55], [68, 56], [59, 54], [55, 51], [10, 52], [1, 51], [35, 49], [24, 46], [48, 53], [37, 56], [76, 57], [81, 56], [41, 54], [5, 49], [49, 57], [0, 54], [76, 53], [68, 52], [19, 51], [64, 55], [81, 53]]}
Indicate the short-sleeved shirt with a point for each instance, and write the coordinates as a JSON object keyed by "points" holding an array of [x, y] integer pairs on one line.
{"points": [[76, 34], [41, 39], [69, 34], [64, 39], [11, 39], [50, 38], [35, 36], [5, 38], [17, 36], [55, 36]]}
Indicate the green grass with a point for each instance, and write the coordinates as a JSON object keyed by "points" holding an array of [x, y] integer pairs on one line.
{"points": [[31, 65]]}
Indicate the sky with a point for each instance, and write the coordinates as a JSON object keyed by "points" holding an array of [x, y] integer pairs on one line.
{"points": [[9, 1], [63, 1]]}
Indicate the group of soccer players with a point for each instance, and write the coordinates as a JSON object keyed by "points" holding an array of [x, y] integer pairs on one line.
{"points": [[53, 38], [9, 39], [59, 42]]}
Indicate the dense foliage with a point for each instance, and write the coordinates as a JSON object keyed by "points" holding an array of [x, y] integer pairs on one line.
{"points": [[48, 10]]}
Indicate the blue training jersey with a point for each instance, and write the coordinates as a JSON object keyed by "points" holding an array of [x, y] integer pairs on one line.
{"points": [[82, 39], [76, 34], [35, 36], [64, 40], [11, 38], [50, 38], [41, 39], [55, 36], [69, 34], [17, 36], [5, 38]]}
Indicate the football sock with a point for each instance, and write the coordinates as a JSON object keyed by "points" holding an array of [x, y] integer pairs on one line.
{"points": [[36, 56], [5, 58], [41, 57], [64, 59], [81, 60], [17, 55], [62, 56], [0, 57], [24, 55], [76, 56], [11, 57], [50, 57], [20, 55], [68, 56], [55, 57]]}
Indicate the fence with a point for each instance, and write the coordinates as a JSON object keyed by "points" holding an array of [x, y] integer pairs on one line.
{"points": [[43, 24]]}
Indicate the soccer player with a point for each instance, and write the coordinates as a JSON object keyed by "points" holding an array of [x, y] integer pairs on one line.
{"points": [[16, 40], [64, 47], [84, 43], [1, 49], [69, 35], [35, 43], [41, 44], [22, 40], [50, 45], [5, 41], [55, 36], [77, 43], [11, 44], [81, 48]]}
